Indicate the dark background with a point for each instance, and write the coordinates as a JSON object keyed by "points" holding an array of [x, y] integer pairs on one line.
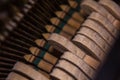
{"points": [[111, 68]]}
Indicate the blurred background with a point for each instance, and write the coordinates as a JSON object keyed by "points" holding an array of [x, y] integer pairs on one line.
{"points": [[111, 68]]}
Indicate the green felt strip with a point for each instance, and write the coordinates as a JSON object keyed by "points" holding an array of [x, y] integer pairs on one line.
{"points": [[61, 25], [37, 60]]}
